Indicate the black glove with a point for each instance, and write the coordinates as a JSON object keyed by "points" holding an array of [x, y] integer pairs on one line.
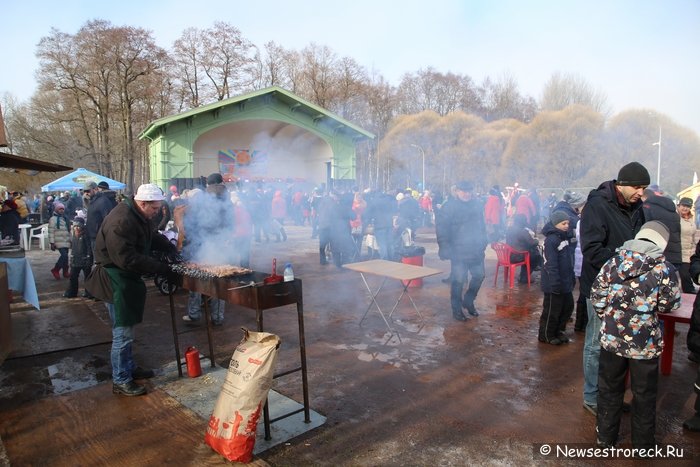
{"points": [[53, 247], [443, 254], [173, 278], [175, 257]]}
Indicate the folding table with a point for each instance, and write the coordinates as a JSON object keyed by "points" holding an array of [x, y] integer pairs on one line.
{"points": [[680, 315], [405, 273]]}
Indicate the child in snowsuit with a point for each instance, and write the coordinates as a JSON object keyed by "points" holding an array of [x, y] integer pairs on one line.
{"points": [[81, 258], [557, 280], [629, 291], [693, 423]]}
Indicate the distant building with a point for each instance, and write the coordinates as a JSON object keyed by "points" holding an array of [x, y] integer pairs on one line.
{"points": [[267, 135]]}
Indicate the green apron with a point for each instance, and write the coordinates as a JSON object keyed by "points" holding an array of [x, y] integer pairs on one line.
{"points": [[129, 295]]}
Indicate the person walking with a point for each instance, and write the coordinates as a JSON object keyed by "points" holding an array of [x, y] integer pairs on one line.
{"points": [[629, 292], [613, 214], [122, 256], [461, 238]]}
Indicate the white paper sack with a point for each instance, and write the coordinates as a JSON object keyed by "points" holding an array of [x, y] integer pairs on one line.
{"points": [[232, 425]]}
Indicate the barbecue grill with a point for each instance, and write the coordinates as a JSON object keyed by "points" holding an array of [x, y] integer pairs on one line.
{"points": [[250, 291]]}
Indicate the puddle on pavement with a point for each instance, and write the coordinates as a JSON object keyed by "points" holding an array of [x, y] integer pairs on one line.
{"points": [[415, 350]]}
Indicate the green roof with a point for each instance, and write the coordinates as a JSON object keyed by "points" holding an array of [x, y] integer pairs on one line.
{"points": [[277, 91]]}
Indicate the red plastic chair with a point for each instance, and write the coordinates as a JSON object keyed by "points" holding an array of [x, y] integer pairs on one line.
{"points": [[503, 252]]}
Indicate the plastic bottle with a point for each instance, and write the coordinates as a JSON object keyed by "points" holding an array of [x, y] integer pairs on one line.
{"points": [[288, 272]]}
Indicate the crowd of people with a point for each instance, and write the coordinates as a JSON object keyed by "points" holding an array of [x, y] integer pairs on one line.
{"points": [[630, 248]]}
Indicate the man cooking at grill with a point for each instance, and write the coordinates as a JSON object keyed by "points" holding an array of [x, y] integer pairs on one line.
{"points": [[122, 254]]}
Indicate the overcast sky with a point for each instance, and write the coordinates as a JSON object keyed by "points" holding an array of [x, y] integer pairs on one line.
{"points": [[640, 53]]}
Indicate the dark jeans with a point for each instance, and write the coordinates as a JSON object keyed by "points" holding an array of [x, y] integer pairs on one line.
{"points": [[581, 310], [644, 376], [458, 273], [324, 239], [556, 311], [74, 276], [686, 281]]}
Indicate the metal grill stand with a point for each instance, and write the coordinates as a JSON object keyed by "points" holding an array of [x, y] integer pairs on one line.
{"points": [[259, 297]]}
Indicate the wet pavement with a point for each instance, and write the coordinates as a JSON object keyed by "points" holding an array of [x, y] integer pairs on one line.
{"points": [[484, 392]]}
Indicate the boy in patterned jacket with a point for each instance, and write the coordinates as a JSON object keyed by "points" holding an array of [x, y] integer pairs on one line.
{"points": [[630, 289]]}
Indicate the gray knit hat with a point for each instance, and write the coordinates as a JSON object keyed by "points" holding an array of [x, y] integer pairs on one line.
{"points": [[557, 217], [655, 232], [577, 200]]}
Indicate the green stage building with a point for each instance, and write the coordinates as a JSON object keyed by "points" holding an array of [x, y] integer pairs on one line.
{"points": [[269, 135]]}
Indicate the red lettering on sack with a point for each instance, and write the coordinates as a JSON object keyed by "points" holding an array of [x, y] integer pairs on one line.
{"points": [[254, 361]]}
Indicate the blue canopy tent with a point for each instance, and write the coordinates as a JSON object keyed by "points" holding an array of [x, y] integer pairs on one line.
{"points": [[77, 180]]}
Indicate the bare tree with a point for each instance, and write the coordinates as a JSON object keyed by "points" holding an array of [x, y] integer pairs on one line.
{"points": [[188, 54], [229, 59], [319, 65], [501, 98], [565, 89], [442, 93]]}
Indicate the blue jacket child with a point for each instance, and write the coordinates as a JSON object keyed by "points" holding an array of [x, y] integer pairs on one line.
{"points": [[558, 280]]}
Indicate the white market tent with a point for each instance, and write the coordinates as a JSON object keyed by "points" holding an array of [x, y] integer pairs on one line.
{"points": [[77, 180]]}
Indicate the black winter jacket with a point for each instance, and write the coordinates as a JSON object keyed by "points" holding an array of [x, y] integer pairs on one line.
{"points": [[100, 205], [558, 269], [380, 211], [694, 331], [662, 209], [128, 240], [605, 225], [461, 230]]}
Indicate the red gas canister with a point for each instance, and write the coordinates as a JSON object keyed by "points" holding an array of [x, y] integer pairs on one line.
{"points": [[194, 368]]}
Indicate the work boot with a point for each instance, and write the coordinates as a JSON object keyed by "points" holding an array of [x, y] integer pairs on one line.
{"points": [[469, 305], [55, 272], [66, 272], [142, 373], [459, 316], [129, 389], [693, 423]]}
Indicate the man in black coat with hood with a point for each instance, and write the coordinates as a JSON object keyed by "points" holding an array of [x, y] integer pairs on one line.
{"points": [[663, 209], [613, 214]]}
